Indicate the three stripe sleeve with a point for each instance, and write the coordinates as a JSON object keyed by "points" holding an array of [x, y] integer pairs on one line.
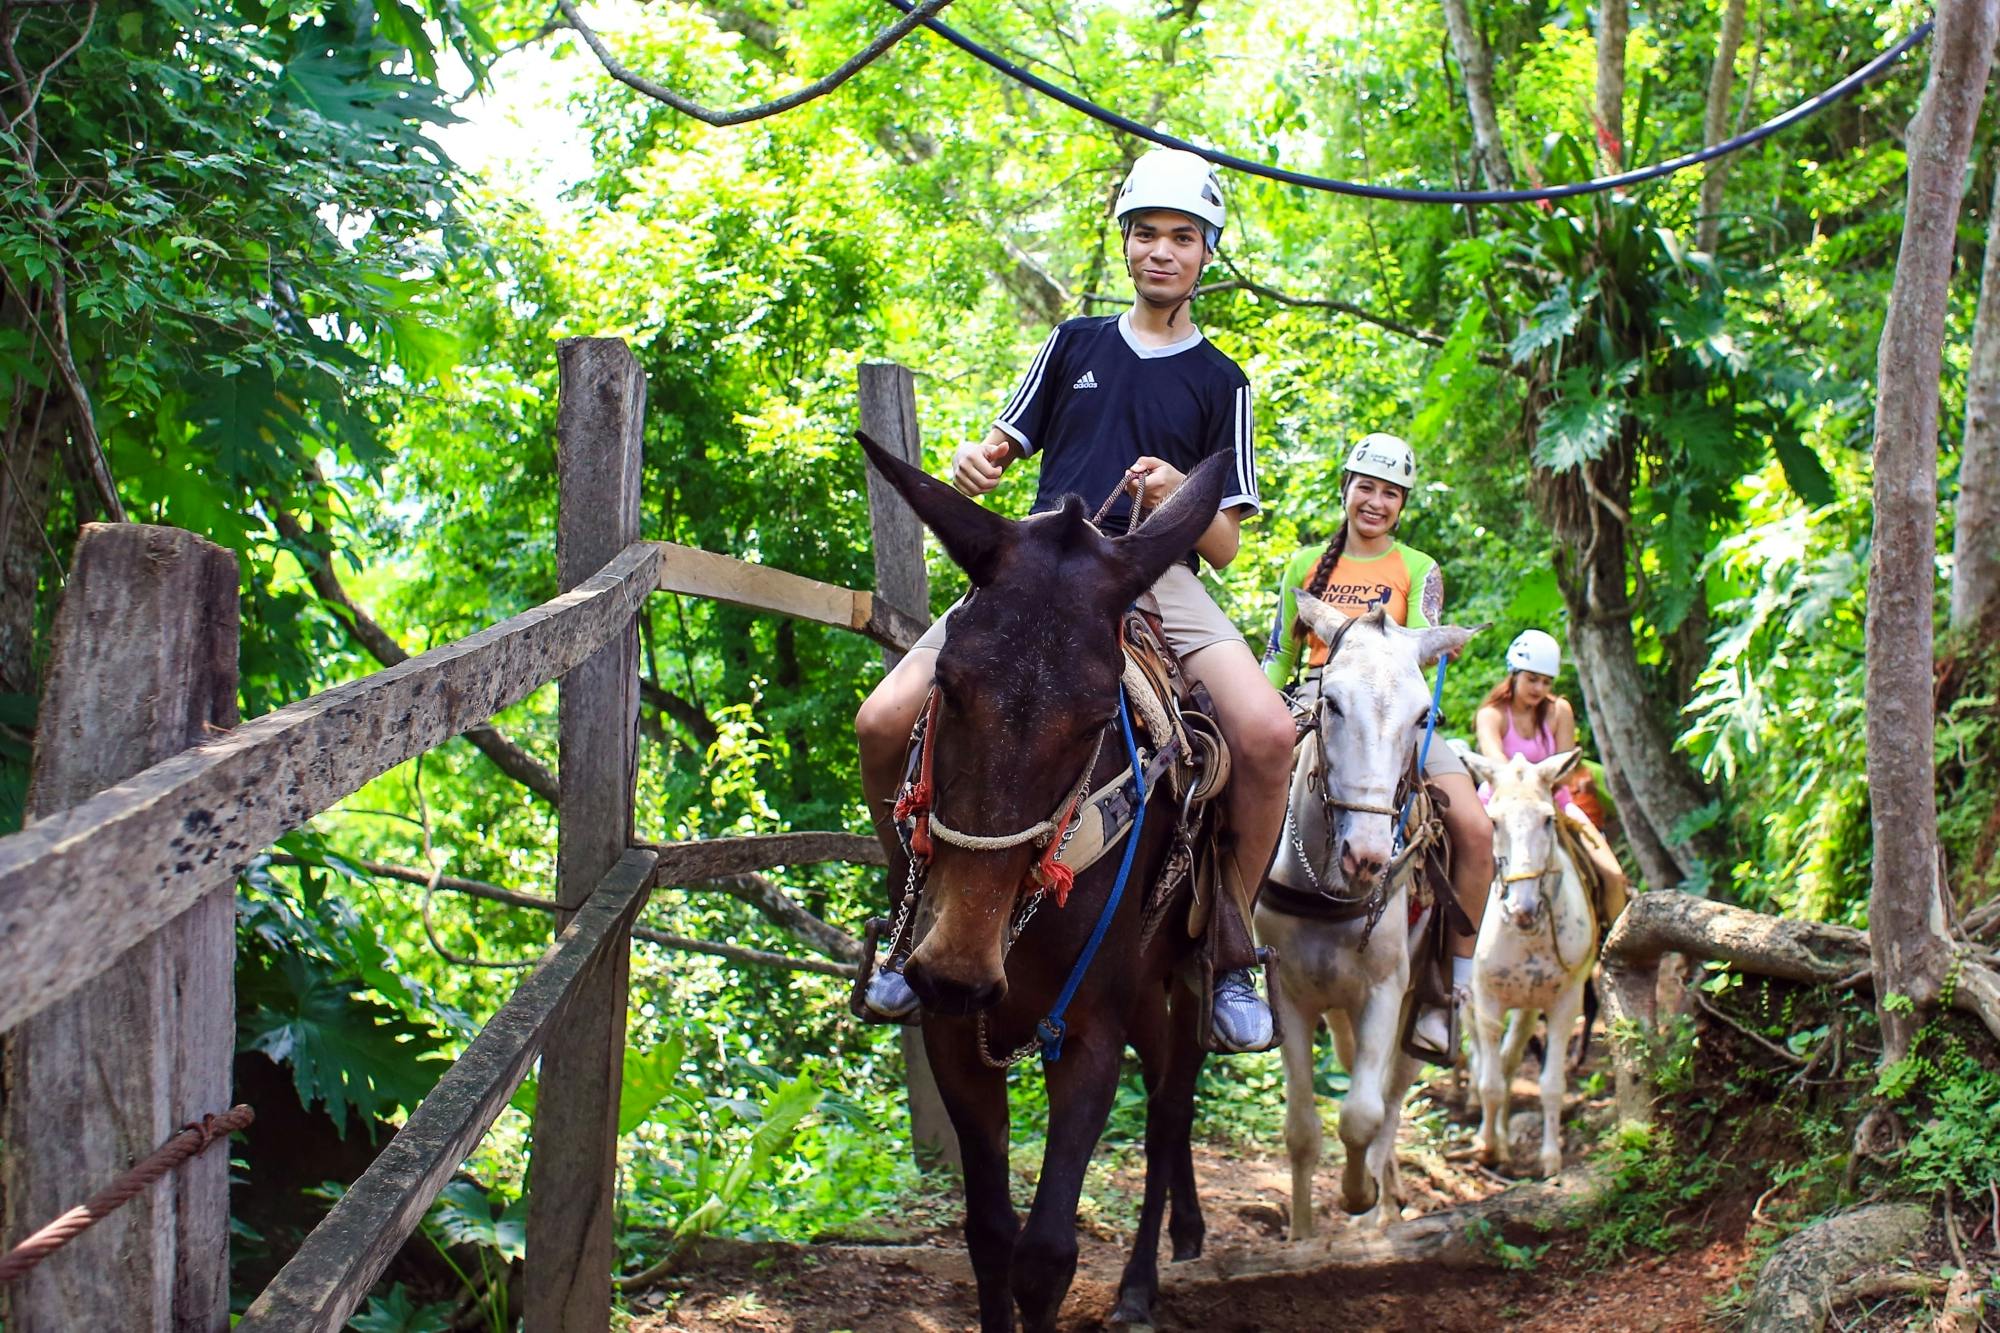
{"points": [[1028, 410]]}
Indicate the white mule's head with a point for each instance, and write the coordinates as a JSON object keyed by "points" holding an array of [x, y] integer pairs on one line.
{"points": [[1372, 717], [1523, 810]]}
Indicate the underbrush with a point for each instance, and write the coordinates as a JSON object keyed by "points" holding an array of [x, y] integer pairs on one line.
{"points": [[1754, 1130]]}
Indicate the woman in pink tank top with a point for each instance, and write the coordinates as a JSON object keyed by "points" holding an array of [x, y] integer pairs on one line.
{"points": [[1523, 716]]}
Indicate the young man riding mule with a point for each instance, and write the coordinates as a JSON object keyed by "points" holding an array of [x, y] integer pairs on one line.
{"points": [[1118, 405]]}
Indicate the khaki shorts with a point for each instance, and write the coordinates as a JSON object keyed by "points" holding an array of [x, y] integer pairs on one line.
{"points": [[1192, 619]]}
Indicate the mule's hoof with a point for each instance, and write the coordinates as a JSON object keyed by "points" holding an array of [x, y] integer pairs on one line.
{"points": [[1133, 1313], [1551, 1165]]}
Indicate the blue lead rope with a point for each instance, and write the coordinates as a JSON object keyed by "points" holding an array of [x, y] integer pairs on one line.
{"points": [[1051, 1029], [1424, 750]]}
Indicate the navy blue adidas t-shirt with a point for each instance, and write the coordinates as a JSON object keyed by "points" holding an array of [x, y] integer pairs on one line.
{"points": [[1095, 400]]}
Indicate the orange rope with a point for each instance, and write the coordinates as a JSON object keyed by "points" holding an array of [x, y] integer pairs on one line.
{"points": [[189, 1142]]}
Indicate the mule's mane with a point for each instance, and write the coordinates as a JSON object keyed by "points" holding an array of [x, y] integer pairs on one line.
{"points": [[1063, 529]]}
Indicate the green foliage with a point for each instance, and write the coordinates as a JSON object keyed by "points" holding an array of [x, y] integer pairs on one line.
{"points": [[1512, 1256], [1665, 1051], [1956, 1145], [395, 1311], [313, 991], [702, 1153], [1650, 1186], [494, 1228]]}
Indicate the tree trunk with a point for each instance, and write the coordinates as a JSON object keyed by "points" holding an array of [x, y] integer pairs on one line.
{"points": [[1614, 20], [1636, 744], [1715, 125], [1587, 511], [1468, 44], [1907, 933], [1975, 578]]}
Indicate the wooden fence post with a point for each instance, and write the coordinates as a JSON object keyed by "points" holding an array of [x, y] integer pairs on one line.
{"points": [[573, 1168], [143, 666], [889, 415]]}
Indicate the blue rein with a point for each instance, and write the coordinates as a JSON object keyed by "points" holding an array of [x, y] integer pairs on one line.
{"points": [[1424, 750], [1051, 1029]]}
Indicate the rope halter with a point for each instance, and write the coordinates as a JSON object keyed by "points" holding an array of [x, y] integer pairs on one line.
{"points": [[1052, 834]]}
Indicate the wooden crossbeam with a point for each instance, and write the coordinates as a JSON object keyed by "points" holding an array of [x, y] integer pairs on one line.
{"points": [[79, 888], [331, 1273], [699, 573]]}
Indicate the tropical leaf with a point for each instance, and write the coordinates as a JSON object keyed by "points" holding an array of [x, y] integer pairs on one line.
{"points": [[354, 1054], [1553, 320], [467, 1214], [396, 1312], [651, 1077], [1576, 427], [1804, 472]]}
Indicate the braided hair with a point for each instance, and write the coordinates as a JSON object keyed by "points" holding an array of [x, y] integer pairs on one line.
{"points": [[1323, 571]]}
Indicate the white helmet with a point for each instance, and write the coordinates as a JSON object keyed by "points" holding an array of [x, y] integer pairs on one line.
{"points": [[1173, 178], [1535, 651], [1385, 457]]}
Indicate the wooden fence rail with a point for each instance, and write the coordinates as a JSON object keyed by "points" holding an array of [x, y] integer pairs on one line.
{"points": [[328, 1278], [81, 888]]}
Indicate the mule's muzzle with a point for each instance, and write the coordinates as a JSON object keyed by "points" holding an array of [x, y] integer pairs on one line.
{"points": [[951, 996], [1361, 867]]}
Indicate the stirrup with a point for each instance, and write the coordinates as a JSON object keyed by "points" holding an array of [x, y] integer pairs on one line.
{"points": [[1205, 1034], [1420, 1052]]}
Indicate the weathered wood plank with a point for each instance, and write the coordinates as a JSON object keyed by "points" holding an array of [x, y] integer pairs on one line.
{"points": [[572, 1172], [327, 1279], [80, 887], [889, 416], [699, 573], [718, 858], [142, 665]]}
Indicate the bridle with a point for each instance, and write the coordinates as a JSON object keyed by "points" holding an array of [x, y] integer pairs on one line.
{"points": [[1545, 900], [918, 803], [1410, 799]]}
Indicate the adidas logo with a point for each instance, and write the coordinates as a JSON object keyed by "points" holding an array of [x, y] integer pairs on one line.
{"points": [[1089, 381]]}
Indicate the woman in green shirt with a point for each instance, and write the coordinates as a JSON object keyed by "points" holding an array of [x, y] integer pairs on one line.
{"points": [[1362, 567]]}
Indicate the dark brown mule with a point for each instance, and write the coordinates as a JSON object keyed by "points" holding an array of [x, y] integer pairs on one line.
{"points": [[1028, 681]]}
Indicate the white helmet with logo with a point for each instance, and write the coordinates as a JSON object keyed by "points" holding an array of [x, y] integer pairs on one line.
{"points": [[1385, 457], [1535, 651], [1173, 178]]}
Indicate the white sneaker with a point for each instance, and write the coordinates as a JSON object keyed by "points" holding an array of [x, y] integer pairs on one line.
{"points": [[1431, 1034], [890, 996], [1242, 1020]]}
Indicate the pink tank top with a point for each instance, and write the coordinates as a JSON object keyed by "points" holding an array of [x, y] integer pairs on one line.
{"points": [[1540, 746]]}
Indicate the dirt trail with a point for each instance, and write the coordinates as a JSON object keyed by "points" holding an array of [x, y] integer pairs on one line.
{"points": [[923, 1281]]}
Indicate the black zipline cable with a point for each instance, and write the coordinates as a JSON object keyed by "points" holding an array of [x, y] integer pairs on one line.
{"points": [[1811, 106]]}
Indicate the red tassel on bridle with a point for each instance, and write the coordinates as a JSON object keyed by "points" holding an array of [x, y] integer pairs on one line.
{"points": [[915, 799], [1050, 873]]}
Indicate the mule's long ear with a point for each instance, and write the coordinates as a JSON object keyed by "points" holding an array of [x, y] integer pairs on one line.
{"points": [[1441, 639], [973, 536], [1319, 617], [1477, 764], [1166, 538], [1557, 767]]}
